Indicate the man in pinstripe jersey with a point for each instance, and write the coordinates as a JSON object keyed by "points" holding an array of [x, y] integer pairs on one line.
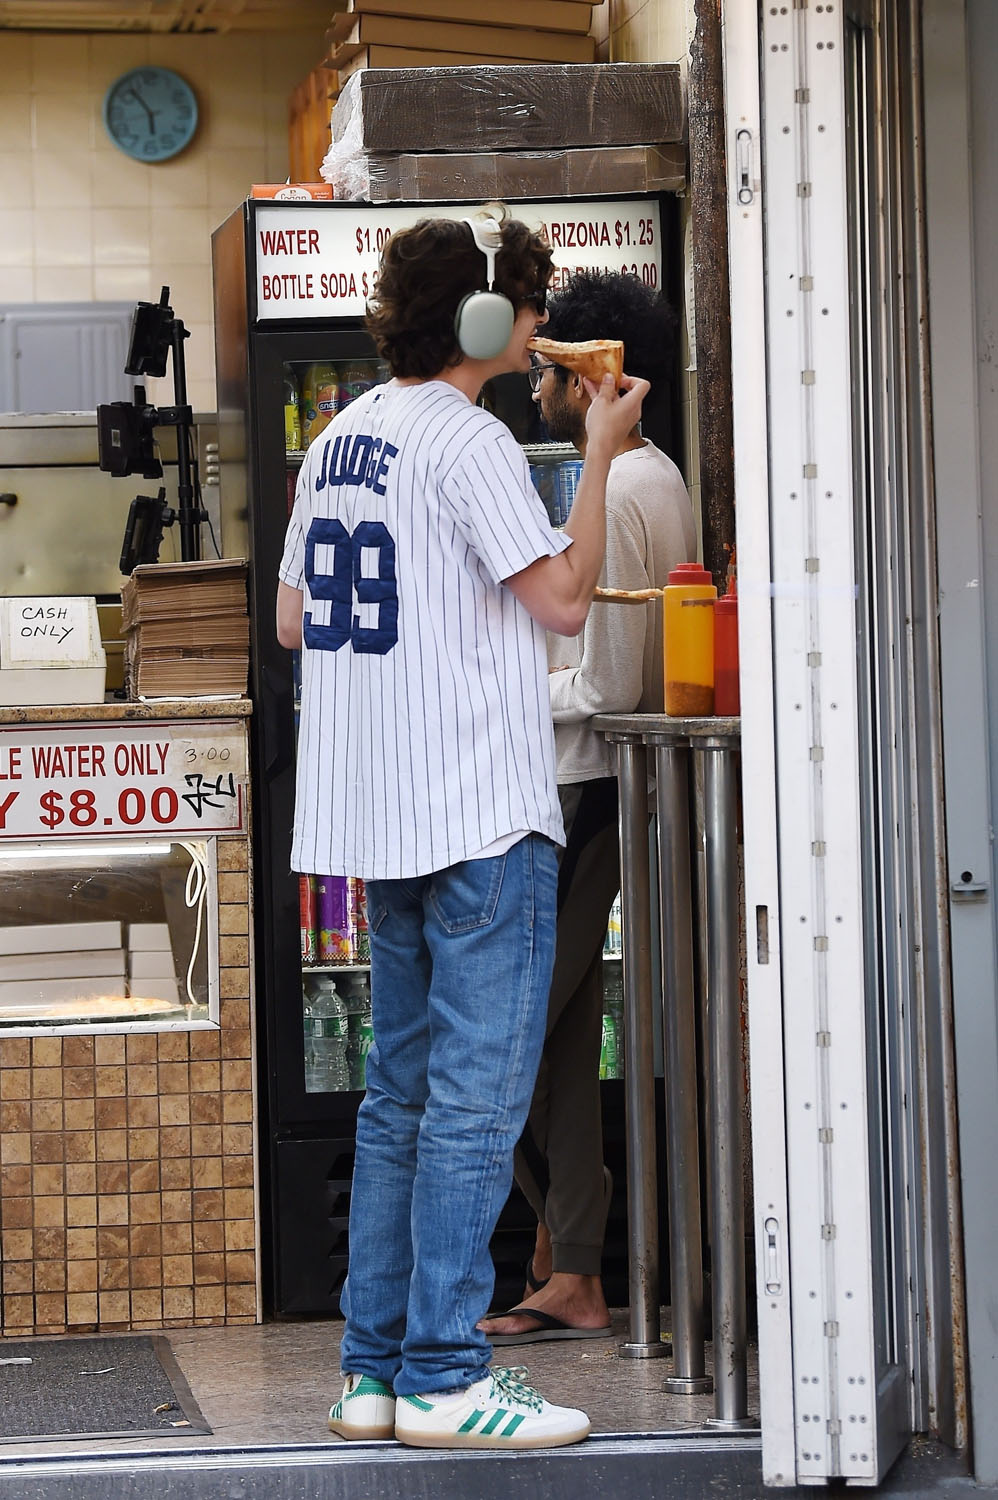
{"points": [[419, 576]]}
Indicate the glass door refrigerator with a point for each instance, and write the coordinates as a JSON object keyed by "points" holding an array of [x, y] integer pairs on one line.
{"points": [[291, 281]]}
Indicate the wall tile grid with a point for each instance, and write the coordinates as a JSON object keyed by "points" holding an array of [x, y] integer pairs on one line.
{"points": [[84, 222], [127, 1166]]}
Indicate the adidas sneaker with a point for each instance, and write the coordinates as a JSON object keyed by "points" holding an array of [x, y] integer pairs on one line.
{"points": [[500, 1411], [366, 1409]]}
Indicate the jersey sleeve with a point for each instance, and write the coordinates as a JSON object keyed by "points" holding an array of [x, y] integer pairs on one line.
{"points": [[292, 568], [497, 509]]}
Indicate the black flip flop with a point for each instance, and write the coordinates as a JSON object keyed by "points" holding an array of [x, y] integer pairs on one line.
{"points": [[535, 1283], [548, 1328]]}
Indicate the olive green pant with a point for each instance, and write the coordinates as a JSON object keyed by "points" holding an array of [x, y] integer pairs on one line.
{"points": [[559, 1160]]}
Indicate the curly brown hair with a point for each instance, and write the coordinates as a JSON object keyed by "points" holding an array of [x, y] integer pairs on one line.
{"points": [[424, 274]]}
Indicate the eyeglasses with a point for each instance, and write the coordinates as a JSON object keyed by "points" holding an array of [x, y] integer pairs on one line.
{"points": [[536, 374], [539, 302]]}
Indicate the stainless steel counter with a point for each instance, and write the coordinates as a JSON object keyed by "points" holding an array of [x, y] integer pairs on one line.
{"points": [[673, 743]]}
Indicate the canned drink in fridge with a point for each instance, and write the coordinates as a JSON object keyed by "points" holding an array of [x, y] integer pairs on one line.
{"points": [[333, 919], [307, 918], [359, 937], [569, 474], [543, 477]]}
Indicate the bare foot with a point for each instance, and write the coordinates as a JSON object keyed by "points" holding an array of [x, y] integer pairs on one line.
{"points": [[576, 1300]]}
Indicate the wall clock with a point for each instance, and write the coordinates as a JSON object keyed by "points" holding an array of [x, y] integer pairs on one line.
{"points": [[150, 113]]}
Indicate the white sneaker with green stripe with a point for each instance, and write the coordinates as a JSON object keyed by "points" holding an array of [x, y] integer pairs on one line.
{"points": [[497, 1412], [366, 1410]]}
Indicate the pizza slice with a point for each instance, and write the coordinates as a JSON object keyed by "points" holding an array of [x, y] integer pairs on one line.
{"points": [[593, 358]]}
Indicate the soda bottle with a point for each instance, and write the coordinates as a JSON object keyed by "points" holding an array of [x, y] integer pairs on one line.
{"points": [[364, 1028], [320, 399], [357, 998], [328, 1034], [309, 1054], [292, 411], [355, 378], [613, 1006], [608, 1050]]}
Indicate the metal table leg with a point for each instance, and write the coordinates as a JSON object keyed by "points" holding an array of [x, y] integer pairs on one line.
{"points": [[679, 1034], [644, 1341], [727, 1205]]}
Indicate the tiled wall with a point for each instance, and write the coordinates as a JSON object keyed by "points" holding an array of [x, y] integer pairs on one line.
{"points": [[83, 222], [127, 1164]]}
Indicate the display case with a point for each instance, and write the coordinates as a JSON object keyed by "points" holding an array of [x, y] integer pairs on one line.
{"points": [[101, 934]]}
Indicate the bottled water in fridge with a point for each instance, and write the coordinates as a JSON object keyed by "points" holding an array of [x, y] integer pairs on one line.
{"points": [[326, 1070]]}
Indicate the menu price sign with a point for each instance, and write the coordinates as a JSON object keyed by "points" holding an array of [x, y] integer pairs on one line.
{"points": [[85, 780], [321, 261]]}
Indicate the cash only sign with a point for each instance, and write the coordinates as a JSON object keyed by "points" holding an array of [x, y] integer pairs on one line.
{"points": [[320, 260], [78, 781]]}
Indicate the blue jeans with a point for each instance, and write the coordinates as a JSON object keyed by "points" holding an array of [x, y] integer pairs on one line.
{"points": [[461, 964]]}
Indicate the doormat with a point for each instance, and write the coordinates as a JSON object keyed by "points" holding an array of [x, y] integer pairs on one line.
{"points": [[94, 1387]]}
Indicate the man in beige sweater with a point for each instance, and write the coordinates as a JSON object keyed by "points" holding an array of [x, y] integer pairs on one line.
{"points": [[614, 666]]}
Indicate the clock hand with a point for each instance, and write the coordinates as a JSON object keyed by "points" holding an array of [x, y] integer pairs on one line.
{"points": [[151, 114]]}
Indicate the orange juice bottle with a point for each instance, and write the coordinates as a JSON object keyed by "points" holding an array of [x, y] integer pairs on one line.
{"points": [[688, 627]]}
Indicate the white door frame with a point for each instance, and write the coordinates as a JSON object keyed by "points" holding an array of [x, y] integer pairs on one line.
{"points": [[830, 1406]]}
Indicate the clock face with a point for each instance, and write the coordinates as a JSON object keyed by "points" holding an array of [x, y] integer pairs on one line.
{"points": [[150, 113]]}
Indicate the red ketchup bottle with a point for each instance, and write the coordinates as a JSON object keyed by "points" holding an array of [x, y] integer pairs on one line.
{"points": [[727, 702]]}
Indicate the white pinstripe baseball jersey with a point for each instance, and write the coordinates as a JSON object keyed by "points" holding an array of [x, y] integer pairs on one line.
{"points": [[425, 728]]}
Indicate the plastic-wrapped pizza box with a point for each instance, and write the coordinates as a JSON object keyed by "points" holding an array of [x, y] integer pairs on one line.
{"points": [[513, 107], [443, 176]]}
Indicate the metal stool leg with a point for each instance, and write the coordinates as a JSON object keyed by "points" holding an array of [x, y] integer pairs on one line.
{"points": [[678, 1030], [644, 1341], [727, 1206]]}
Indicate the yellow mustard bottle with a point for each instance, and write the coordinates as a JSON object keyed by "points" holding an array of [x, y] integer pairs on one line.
{"points": [[688, 630]]}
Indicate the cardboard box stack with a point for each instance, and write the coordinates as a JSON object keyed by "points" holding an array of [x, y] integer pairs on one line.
{"points": [[441, 33], [186, 629], [151, 971], [524, 130], [55, 962]]}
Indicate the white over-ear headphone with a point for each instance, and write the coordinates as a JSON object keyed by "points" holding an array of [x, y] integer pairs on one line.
{"points": [[484, 320]]}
